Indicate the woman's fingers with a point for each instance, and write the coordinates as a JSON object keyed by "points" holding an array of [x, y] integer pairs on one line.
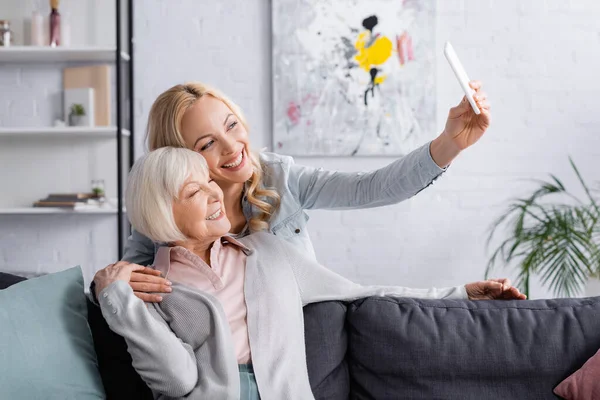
{"points": [[516, 294], [482, 100], [484, 105], [132, 268], [475, 85], [506, 283], [148, 297], [142, 276], [150, 287], [146, 281], [150, 271], [480, 96]]}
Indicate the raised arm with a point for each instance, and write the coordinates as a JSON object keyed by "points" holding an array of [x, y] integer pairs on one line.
{"points": [[320, 189]]}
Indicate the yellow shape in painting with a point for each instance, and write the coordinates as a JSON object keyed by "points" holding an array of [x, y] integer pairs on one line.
{"points": [[379, 79], [375, 54]]}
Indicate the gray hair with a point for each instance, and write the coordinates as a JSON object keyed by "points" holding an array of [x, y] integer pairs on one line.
{"points": [[154, 183]]}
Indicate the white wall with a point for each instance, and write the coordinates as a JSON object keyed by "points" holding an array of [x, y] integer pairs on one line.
{"points": [[31, 168], [538, 60]]}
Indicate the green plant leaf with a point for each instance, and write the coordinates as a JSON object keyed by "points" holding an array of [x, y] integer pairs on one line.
{"points": [[557, 240]]}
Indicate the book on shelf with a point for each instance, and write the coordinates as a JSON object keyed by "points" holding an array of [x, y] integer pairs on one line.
{"points": [[66, 200], [79, 197], [98, 78], [75, 205], [61, 204]]}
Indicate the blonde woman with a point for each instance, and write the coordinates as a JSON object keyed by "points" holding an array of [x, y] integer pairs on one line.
{"points": [[268, 191], [232, 327]]}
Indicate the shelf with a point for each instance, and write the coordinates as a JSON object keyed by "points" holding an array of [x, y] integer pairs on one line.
{"points": [[52, 210], [69, 131], [23, 54]]}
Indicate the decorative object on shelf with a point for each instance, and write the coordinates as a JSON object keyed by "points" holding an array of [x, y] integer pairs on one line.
{"points": [[6, 35], [98, 190], [96, 77], [79, 201], [556, 240], [76, 115], [353, 77], [83, 97], [67, 200], [54, 24], [37, 29]]}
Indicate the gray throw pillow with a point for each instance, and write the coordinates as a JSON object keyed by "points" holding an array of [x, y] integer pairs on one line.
{"points": [[46, 348]]}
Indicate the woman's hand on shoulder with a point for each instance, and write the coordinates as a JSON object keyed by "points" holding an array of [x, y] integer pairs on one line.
{"points": [[145, 282], [493, 289]]}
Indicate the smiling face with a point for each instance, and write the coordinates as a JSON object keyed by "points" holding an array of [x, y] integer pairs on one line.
{"points": [[199, 211], [213, 130]]}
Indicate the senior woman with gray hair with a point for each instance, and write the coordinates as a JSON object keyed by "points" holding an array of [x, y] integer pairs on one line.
{"points": [[232, 326]]}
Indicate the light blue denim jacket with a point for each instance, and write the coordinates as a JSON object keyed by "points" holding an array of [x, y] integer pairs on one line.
{"points": [[304, 188]]}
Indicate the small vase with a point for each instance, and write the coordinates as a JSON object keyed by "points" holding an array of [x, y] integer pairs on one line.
{"points": [[76, 120]]}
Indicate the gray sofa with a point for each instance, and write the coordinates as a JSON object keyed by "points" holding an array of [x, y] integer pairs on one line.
{"points": [[387, 348]]}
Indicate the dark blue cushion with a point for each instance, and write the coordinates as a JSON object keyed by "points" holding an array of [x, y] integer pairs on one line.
{"points": [[7, 280], [326, 344], [121, 381], [454, 349]]}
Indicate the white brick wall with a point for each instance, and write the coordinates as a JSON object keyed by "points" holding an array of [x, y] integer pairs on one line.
{"points": [[30, 168], [538, 60]]}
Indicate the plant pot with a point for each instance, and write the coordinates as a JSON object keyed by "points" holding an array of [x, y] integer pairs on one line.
{"points": [[76, 120]]}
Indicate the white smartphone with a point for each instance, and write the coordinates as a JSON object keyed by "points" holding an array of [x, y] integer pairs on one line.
{"points": [[461, 75]]}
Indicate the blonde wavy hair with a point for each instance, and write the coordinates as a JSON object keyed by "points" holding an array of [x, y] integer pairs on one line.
{"points": [[164, 129]]}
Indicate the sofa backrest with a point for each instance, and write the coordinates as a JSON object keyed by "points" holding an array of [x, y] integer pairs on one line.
{"points": [[456, 349], [326, 341], [383, 347]]}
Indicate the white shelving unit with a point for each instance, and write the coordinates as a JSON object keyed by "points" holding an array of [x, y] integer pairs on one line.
{"points": [[38, 158], [25, 54], [108, 132], [53, 210]]}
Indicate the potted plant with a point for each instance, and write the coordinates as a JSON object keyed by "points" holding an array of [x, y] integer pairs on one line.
{"points": [[76, 115], [552, 234]]}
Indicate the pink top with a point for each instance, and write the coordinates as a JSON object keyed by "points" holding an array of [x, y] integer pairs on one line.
{"points": [[224, 279]]}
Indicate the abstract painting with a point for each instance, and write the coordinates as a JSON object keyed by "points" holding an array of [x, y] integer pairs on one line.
{"points": [[353, 77]]}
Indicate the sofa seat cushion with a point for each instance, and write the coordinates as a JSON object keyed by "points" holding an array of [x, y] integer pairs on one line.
{"points": [[449, 349]]}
